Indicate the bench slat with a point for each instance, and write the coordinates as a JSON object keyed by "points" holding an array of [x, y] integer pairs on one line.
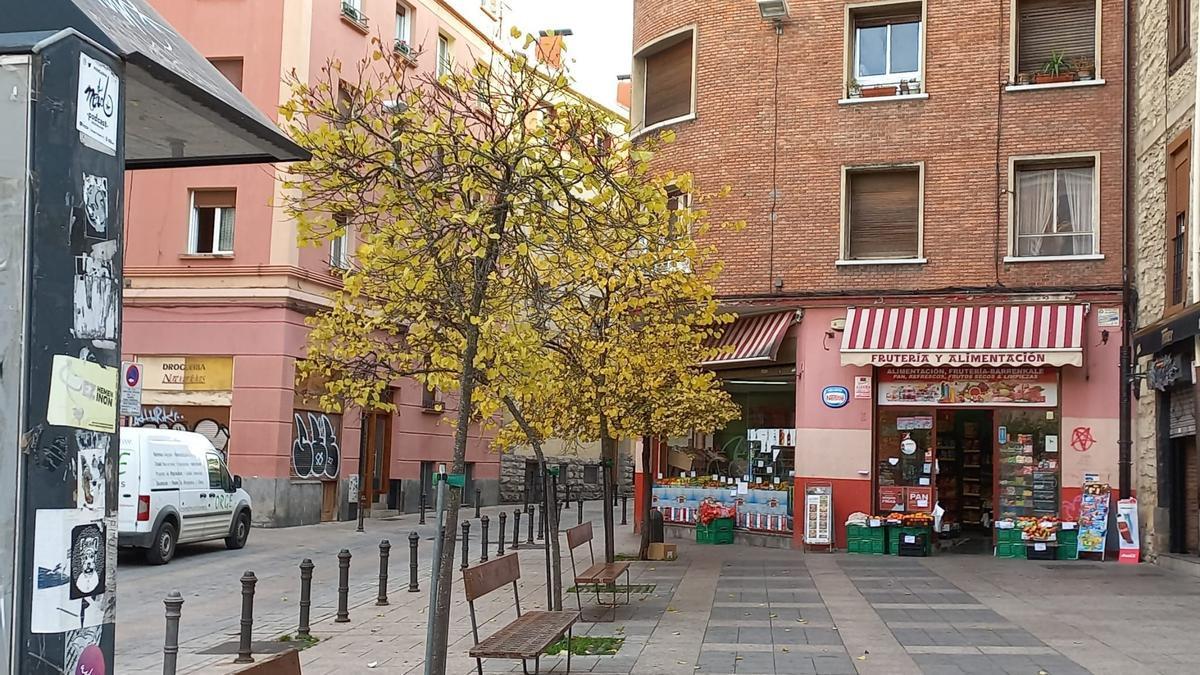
{"points": [[525, 638], [602, 573]]}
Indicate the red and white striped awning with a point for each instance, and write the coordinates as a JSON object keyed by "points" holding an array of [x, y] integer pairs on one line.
{"points": [[752, 339], [1001, 335]]}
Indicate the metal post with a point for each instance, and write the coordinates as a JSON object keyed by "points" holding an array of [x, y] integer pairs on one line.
{"points": [[306, 572], [483, 526], [248, 582], [174, 603], [566, 490], [579, 519], [500, 539], [540, 513], [529, 539], [624, 509], [516, 529], [477, 495], [343, 608], [385, 551], [466, 539], [363, 480], [437, 556], [413, 540], [422, 520]]}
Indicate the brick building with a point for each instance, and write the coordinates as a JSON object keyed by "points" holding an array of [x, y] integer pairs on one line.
{"points": [[1166, 318], [929, 280]]}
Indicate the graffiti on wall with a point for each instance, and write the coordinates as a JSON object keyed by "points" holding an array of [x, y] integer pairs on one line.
{"points": [[212, 422], [315, 449]]}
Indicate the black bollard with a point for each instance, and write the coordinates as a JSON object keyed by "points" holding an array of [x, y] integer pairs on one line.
{"points": [[541, 522], [343, 608], [413, 540], [566, 491], [500, 539], [624, 508], [306, 571], [385, 551], [466, 539], [516, 529], [579, 520], [248, 582], [174, 603], [422, 520], [477, 491], [529, 539], [483, 537]]}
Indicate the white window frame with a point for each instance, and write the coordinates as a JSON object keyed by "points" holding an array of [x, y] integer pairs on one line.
{"points": [[638, 109], [445, 61], [888, 77], [404, 23], [356, 5], [1013, 163], [1015, 47], [340, 259], [844, 226], [851, 52], [194, 228]]}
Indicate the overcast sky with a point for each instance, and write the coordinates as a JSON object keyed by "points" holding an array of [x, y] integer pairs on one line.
{"points": [[602, 42]]}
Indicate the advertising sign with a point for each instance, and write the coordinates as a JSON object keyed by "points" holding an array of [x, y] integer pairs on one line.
{"points": [[862, 387], [966, 387], [818, 514], [1093, 517], [891, 498], [131, 389], [919, 498], [82, 395], [835, 396], [187, 373], [1127, 528]]}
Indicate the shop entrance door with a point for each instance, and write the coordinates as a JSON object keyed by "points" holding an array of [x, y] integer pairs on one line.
{"points": [[965, 470], [1185, 496], [379, 453]]}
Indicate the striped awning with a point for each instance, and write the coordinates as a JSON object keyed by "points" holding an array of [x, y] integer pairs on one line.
{"points": [[752, 339], [1001, 335]]}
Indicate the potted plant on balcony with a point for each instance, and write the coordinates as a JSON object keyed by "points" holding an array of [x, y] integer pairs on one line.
{"points": [[1085, 69], [879, 90], [853, 88], [1055, 70], [1024, 79]]}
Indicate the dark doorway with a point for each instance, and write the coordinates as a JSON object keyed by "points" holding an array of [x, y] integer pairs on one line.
{"points": [[1184, 496]]}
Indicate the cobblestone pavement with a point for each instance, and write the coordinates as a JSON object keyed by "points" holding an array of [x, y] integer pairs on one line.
{"points": [[731, 609]]}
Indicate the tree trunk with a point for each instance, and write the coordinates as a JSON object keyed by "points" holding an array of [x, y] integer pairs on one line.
{"points": [[554, 581], [608, 452], [645, 497]]}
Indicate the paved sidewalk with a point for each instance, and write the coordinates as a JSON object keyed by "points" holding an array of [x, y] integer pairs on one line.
{"points": [[753, 611]]}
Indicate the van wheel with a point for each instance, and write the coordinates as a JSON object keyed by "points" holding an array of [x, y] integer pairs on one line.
{"points": [[163, 548], [240, 532]]}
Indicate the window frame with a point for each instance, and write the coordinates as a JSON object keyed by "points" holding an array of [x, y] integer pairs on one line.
{"points": [[445, 60], [844, 216], [1013, 166], [1014, 52], [241, 63], [850, 47], [194, 225], [1181, 142], [340, 260], [637, 109], [1177, 53]]}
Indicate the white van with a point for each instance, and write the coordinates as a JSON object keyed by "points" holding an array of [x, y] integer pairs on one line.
{"points": [[176, 489]]}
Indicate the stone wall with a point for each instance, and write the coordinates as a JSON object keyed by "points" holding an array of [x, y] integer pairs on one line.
{"points": [[512, 476]]}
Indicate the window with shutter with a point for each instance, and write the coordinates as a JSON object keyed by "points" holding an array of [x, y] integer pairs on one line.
{"points": [[231, 68], [1179, 30], [1046, 27], [1178, 179], [886, 45], [667, 79], [883, 214], [211, 229]]}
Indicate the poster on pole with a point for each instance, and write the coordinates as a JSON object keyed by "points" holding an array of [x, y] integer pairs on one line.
{"points": [[818, 514], [1093, 517], [131, 389]]}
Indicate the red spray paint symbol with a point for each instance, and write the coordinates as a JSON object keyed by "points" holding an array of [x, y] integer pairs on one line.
{"points": [[1082, 439]]}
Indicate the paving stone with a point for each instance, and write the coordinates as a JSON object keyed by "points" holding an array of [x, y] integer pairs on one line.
{"points": [[760, 636], [725, 634]]}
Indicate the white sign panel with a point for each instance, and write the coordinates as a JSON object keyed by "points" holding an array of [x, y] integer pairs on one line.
{"points": [[97, 113], [131, 389], [818, 515]]}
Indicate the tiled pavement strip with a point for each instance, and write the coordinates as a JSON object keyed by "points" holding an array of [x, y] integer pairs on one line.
{"points": [[731, 609]]}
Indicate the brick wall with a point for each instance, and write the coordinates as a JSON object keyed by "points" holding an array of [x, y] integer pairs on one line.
{"points": [[954, 132]]}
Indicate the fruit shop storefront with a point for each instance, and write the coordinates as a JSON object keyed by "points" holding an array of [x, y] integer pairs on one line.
{"points": [[988, 418]]}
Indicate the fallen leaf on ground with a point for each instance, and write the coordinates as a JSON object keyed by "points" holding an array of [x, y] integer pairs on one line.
{"points": [[863, 657], [774, 616], [738, 658], [372, 664], [786, 650]]}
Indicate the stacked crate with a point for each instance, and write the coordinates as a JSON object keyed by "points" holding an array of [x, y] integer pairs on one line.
{"points": [[866, 540]]}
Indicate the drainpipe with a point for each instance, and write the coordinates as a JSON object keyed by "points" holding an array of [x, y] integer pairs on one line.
{"points": [[1125, 421]]}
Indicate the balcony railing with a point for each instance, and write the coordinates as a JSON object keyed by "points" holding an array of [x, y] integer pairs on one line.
{"points": [[353, 13]]}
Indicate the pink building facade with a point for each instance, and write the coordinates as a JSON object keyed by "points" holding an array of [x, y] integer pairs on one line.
{"points": [[218, 288]]}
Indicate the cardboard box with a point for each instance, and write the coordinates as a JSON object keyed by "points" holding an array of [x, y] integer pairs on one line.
{"points": [[663, 552]]}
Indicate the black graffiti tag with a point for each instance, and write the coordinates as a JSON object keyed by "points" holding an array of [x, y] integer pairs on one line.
{"points": [[315, 450]]}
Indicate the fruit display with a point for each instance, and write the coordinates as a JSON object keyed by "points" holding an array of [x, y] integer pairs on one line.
{"points": [[708, 482], [919, 519], [710, 510]]}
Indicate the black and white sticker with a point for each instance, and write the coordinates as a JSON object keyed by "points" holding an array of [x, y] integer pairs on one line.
{"points": [[97, 113]]}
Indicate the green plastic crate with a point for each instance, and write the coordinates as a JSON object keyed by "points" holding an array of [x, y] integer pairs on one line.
{"points": [[1008, 536], [719, 531], [896, 535], [1011, 550], [1068, 544], [866, 540]]}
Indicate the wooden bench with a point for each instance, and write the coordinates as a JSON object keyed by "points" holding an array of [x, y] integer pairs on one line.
{"points": [[599, 574], [528, 636]]}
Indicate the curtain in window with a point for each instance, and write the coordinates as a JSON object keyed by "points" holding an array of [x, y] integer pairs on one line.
{"points": [[225, 238], [1076, 186], [1035, 210]]}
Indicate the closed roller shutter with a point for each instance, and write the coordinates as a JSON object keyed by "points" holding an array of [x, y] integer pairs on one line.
{"points": [[668, 88], [1048, 26], [1182, 411], [883, 214]]}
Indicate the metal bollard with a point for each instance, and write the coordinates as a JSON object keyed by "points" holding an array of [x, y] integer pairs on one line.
{"points": [[516, 544], [579, 520], [248, 582], [541, 522], [422, 520], [477, 493], [466, 539], [529, 539], [385, 551], [624, 508], [500, 539], [614, 500], [306, 571], [483, 536], [566, 492], [413, 540], [343, 608], [174, 603]]}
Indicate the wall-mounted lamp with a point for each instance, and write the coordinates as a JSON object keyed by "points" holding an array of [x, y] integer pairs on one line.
{"points": [[838, 324], [773, 10]]}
